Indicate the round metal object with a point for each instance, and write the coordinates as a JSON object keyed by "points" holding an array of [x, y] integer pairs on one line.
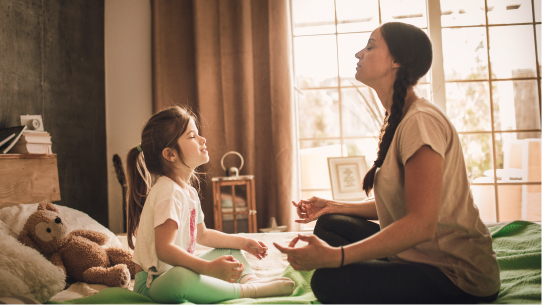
{"points": [[230, 153]]}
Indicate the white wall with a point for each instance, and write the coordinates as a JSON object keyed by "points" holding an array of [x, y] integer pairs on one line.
{"points": [[128, 91]]}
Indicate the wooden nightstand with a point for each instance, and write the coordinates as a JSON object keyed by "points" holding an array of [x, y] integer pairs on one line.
{"points": [[28, 178]]}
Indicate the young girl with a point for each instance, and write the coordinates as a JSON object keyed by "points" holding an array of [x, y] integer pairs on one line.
{"points": [[430, 245], [165, 216]]}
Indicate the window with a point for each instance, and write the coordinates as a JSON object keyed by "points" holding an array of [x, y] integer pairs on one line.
{"points": [[491, 94]]}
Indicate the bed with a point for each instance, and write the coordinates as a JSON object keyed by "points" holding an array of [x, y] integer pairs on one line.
{"points": [[517, 245], [275, 264]]}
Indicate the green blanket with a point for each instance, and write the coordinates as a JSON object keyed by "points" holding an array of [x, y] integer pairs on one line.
{"points": [[517, 245], [302, 294]]}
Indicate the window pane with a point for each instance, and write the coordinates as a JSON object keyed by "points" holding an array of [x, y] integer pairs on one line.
{"points": [[357, 15], [362, 112], [315, 61], [467, 106], [538, 38], [462, 12], [313, 17], [515, 105], [349, 45], [509, 11], [484, 199], [511, 51], [367, 147], [321, 194], [407, 11], [510, 202], [519, 202], [465, 53], [532, 202], [478, 151], [424, 91], [537, 11], [518, 157], [319, 114], [314, 169]]}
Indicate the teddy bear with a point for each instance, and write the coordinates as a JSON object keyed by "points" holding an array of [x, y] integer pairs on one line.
{"points": [[78, 253]]}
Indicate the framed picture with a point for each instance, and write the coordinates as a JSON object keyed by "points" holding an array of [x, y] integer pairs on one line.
{"points": [[346, 175]]}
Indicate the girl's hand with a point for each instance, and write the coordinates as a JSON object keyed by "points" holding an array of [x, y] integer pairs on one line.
{"points": [[317, 254], [312, 209], [255, 247], [226, 268]]}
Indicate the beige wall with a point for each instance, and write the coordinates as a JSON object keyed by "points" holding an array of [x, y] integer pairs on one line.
{"points": [[128, 95]]}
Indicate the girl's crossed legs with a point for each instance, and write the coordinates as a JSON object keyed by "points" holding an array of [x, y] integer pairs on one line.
{"points": [[180, 284]]}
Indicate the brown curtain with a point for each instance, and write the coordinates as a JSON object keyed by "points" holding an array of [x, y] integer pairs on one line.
{"points": [[230, 61]]}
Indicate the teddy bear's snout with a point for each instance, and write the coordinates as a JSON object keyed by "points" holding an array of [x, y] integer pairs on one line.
{"points": [[52, 229]]}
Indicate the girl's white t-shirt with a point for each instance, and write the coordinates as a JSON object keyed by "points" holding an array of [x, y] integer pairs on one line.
{"points": [[462, 246], [166, 200]]}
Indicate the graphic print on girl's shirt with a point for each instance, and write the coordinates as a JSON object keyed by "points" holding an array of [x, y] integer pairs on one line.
{"points": [[193, 232]]}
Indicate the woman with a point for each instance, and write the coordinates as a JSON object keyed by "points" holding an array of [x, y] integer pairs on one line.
{"points": [[430, 245]]}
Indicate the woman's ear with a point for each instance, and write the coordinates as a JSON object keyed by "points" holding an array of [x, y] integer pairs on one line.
{"points": [[395, 65], [168, 154]]}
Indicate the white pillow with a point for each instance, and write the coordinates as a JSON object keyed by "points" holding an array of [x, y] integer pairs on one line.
{"points": [[7, 230], [25, 272], [15, 217]]}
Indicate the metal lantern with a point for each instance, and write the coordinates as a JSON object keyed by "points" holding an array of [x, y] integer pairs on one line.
{"points": [[234, 200]]}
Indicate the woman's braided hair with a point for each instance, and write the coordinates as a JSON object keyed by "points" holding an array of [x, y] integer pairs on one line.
{"points": [[411, 49]]}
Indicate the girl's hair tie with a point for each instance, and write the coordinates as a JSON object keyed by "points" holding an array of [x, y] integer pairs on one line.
{"points": [[378, 163], [139, 147]]}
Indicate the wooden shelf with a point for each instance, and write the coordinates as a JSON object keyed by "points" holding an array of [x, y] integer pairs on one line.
{"points": [[27, 156]]}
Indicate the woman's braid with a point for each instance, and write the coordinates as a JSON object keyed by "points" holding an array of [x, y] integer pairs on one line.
{"points": [[411, 48]]}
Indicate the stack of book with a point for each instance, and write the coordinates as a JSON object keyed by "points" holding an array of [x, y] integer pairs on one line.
{"points": [[9, 136], [33, 142]]}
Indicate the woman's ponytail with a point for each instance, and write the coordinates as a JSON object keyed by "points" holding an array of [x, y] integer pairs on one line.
{"points": [[139, 183]]}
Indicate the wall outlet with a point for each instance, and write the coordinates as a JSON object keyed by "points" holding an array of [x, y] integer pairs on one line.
{"points": [[32, 122]]}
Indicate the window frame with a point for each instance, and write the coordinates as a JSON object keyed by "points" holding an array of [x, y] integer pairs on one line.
{"points": [[437, 84]]}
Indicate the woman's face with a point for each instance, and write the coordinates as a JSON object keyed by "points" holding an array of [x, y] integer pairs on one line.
{"points": [[376, 66]]}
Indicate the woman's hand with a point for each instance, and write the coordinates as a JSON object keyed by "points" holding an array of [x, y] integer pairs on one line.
{"points": [[312, 209], [317, 254], [226, 268], [255, 247]]}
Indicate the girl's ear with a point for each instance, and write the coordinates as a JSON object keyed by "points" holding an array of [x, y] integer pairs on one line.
{"points": [[395, 65], [168, 154]]}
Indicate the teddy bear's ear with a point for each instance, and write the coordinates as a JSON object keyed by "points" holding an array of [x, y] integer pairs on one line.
{"points": [[47, 205]]}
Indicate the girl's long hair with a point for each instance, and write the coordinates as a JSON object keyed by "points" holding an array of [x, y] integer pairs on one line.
{"points": [[412, 50], [161, 131]]}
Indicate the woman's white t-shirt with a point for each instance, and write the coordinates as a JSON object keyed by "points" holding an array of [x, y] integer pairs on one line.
{"points": [[166, 200], [462, 246]]}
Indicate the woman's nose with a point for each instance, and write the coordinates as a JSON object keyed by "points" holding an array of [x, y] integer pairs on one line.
{"points": [[359, 54], [203, 140]]}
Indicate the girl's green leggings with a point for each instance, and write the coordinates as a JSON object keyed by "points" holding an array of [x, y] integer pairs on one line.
{"points": [[180, 284]]}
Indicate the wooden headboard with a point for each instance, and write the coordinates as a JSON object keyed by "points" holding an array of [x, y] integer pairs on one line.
{"points": [[28, 178]]}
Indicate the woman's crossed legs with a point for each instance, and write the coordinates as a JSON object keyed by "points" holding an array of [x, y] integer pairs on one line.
{"points": [[378, 281]]}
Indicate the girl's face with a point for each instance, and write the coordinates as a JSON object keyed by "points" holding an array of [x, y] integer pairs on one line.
{"points": [[375, 65], [193, 146]]}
